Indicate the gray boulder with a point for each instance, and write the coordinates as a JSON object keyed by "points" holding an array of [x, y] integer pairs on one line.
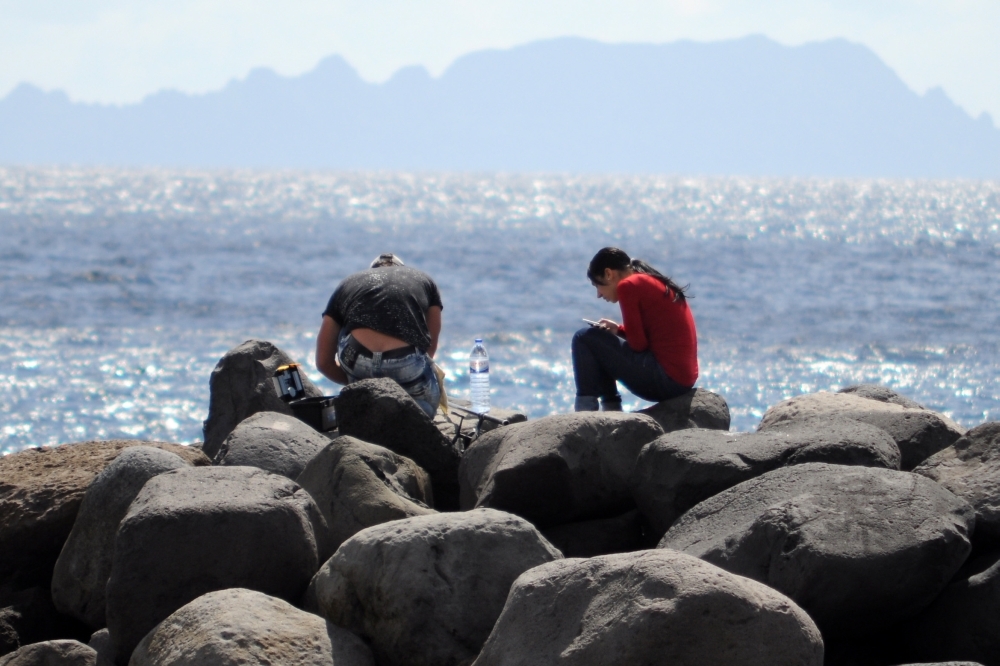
{"points": [[241, 385], [83, 567], [357, 485], [272, 442], [962, 623], [919, 433], [882, 394], [197, 530], [859, 548], [52, 653], [649, 607], [426, 591], [970, 468], [558, 469], [100, 641], [381, 412], [602, 536], [239, 627], [676, 471], [41, 490], [697, 408]]}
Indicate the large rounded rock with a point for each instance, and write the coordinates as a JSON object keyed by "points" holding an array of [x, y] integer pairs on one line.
{"points": [[882, 394], [919, 433], [970, 468], [83, 567], [426, 591], [40, 493], [240, 627], [357, 485], [962, 623], [697, 408], [649, 607], [272, 442], [52, 653], [859, 548], [558, 469], [197, 530], [676, 471], [242, 385], [381, 412]]}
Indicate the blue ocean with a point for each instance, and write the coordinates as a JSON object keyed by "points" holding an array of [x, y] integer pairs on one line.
{"points": [[121, 289]]}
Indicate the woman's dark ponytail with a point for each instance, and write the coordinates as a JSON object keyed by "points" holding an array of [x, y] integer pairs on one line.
{"points": [[617, 260]]}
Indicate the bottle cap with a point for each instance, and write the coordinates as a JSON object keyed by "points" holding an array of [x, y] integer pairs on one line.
{"points": [[478, 340]]}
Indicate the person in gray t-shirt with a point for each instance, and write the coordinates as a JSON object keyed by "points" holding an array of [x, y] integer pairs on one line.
{"points": [[384, 322]]}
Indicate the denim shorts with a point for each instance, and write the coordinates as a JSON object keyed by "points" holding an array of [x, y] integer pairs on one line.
{"points": [[413, 372]]}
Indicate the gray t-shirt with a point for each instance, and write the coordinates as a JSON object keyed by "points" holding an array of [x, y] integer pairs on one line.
{"points": [[389, 299]]}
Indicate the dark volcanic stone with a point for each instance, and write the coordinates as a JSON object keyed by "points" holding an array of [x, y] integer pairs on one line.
{"points": [[919, 433], [558, 469], [676, 471], [859, 548], [83, 567], [604, 536], [241, 385], [52, 653], [357, 485], [379, 411], [970, 468], [426, 591], [882, 394], [40, 493], [273, 442], [697, 408], [197, 530], [649, 607]]}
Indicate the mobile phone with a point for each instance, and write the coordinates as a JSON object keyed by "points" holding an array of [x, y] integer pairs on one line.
{"points": [[592, 323]]}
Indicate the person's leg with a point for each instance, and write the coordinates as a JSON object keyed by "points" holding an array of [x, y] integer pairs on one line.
{"points": [[605, 355], [593, 381]]}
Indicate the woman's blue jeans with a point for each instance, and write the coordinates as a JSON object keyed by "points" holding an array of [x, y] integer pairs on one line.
{"points": [[413, 372], [600, 358]]}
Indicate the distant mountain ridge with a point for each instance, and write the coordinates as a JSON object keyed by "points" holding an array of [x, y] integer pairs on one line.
{"points": [[748, 106]]}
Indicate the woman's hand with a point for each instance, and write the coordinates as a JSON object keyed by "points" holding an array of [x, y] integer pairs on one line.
{"points": [[608, 325]]}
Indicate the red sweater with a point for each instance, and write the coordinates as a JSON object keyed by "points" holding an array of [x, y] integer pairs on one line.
{"points": [[651, 319]]}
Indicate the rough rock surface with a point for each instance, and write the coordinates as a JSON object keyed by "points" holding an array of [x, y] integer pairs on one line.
{"points": [[558, 469], [381, 412], [100, 640], [696, 409], [859, 548], [52, 653], [962, 623], [40, 493], [603, 536], [239, 627], [197, 530], [970, 468], [426, 591], [29, 616], [82, 570], [649, 607], [882, 394], [676, 471], [357, 485], [272, 442], [919, 433], [241, 385]]}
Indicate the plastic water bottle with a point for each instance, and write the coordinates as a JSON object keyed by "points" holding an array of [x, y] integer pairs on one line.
{"points": [[479, 378]]}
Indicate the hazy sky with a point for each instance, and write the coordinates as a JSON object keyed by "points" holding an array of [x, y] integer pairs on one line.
{"points": [[119, 50]]}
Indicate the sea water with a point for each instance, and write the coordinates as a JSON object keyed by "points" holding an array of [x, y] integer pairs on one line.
{"points": [[121, 289]]}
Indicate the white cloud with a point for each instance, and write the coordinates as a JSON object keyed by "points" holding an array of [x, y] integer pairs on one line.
{"points": [[119, 51]]}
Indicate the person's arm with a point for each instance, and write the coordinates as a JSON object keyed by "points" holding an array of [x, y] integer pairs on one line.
{"points": [[631, 328], [434, 327], [326, 351]]}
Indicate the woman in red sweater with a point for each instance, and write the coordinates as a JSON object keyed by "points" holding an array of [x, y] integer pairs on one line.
{"points": [[653, 352]]}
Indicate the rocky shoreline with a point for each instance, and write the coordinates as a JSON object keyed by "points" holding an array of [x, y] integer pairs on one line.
{"points": [[852, 529]]}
